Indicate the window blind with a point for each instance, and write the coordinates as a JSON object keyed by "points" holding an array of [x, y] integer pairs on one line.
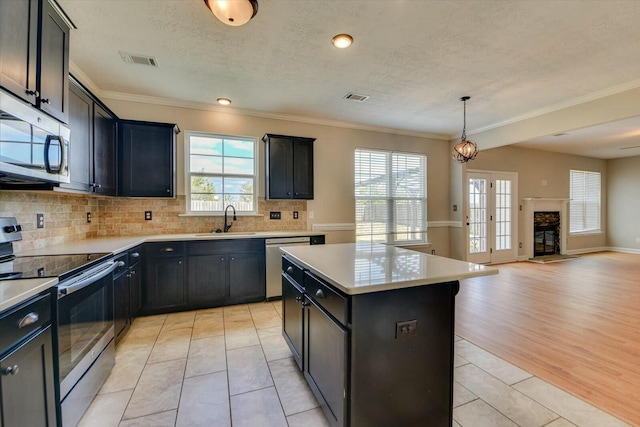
{"points": [[584, 206], [391, 196]]}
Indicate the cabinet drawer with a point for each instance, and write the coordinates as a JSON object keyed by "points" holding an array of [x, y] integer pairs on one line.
{"points": [[295, 272], [225, 246], [21, 321], [334, 303], [121, 269], [135, 255], [164, 248]]}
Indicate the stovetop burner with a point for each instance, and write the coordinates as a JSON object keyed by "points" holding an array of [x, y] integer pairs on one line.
{"points": [[62, 266]]}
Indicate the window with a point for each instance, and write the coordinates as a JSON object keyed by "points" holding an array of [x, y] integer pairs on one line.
{"points": [[391, 196], [220, 170], [585, 202]]}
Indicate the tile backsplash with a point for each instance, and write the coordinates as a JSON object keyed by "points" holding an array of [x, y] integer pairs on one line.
{"points": [[65, 217]]}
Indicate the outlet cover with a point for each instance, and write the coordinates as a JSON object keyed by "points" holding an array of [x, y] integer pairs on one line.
{"points": [[275, 215], [148, 216], [295, 214], [88, 217], [406, 329], [40, 220]]}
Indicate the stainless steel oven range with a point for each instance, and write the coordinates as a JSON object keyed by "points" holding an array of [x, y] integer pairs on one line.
{"points": [[85, 330]]}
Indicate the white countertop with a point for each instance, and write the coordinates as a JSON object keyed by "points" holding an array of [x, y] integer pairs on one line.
{"points": [[116, 245], [358, 268], [13, 292]]}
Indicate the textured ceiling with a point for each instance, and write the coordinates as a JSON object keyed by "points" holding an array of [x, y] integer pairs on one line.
{"points": [[414, 58]]}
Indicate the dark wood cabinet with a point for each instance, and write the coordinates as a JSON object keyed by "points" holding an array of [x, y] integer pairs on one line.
{"points": [[226, 272], [27, 388], [146, 159], [127, 292], [289, 167], [293, 317], [121, 317], [135, 282], [164, 288], [92, 159], [34, 64]]}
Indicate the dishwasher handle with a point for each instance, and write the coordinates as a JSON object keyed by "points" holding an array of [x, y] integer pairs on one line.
{"points": [[89, 278]]}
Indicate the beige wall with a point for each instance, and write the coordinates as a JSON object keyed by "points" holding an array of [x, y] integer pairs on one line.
{"points": [[333, 159], [623, 189], [533, 167]]}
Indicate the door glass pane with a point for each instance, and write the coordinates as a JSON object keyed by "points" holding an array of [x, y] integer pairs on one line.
{"points": [[477, 215], [503, 214]]}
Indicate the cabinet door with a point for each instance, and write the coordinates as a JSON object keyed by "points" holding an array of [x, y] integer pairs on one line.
{"points": [[326, 363], [28, 394], [135, 291], [54, 64], [81, 125], [146, 160], [303, 169], [279, 168], [292, 318], [207, 279], [104, 149], [19, 47], [121, 296], [247, 281], [164, 284]]}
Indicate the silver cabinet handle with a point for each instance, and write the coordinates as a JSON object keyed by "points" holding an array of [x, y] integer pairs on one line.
{"points": [[168, 249], [134, 254], [180, 262], [27, 320], [119, 264], [319, 294], [289, 270], [10, 370]]}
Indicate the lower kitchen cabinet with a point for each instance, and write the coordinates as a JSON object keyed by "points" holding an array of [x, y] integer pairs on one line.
{"points": [[293, 314], [127, 291], [164, 285], [224, 272], [27, 390]]}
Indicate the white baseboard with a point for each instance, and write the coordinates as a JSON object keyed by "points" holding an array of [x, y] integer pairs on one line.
{"points": [[587, 250], [625, 250]]}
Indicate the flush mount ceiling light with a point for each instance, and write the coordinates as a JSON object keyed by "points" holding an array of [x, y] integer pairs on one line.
{"points": [[465, 150], [233, 12], [224, 101], [342, 41]]}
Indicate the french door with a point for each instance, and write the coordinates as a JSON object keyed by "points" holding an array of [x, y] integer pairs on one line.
{"points": [[491, 217]]}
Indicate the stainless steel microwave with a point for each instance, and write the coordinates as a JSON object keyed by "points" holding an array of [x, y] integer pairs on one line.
{"points": [[34, 148]]}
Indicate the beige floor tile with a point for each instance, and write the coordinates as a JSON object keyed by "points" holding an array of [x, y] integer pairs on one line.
{"points": [[455, 424], [242, 334], [523, 410], [247, 370], [208, 325], [278, 306], [566, 405], [206, 355], [106, 410], [479, 414], [292, 388], [162, 419], [257, 408], [265, 316], [179, 320], [501, 369], [158, 389], [459, 361], [214, 310], [461, 395], [560, 422], [312, 418], [171, 344], [204, 402], [273, 344], [130, 361], [143, 333], [156, 318], [236, 312]]}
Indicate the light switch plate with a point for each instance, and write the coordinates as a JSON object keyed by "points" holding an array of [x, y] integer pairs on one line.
{"points": [[275, 215], [40, 220]]}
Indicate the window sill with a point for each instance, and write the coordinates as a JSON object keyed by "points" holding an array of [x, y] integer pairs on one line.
{"points": [[219, 214], [586, 233]]}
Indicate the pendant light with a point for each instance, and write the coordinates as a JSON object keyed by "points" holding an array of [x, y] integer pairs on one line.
{"points": [[465, 150], [233, 12]]}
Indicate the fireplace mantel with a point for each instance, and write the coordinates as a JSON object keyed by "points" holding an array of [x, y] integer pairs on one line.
{"points": [[538, 204]]}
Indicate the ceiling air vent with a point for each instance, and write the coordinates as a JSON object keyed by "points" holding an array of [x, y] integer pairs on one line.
{"points": [[356, 97], [132, 58]]}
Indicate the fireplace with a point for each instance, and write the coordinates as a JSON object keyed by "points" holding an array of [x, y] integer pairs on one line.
{"points": [[546, 233], [558, 243]]}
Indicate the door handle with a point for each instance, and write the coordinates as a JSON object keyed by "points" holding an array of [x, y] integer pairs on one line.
{"points": [[27, 320], [10, 370]]}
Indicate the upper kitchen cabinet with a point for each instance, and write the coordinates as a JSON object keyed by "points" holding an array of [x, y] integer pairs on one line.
{"points": [[92, 160], [146, 159], [289, 167], [34, 65]]}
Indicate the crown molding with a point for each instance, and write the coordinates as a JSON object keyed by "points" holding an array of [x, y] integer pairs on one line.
{"points": [[84, 79]]}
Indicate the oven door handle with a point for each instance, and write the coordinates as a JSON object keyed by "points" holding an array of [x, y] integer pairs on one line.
{"points": [[91, 278]]}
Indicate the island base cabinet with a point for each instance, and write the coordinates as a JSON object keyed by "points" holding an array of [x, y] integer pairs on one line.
{"points": [[403, 380], [293, 318], [325, 363]]}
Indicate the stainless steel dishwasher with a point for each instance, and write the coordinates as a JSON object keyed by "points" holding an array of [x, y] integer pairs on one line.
{"points": [[274, 260]]}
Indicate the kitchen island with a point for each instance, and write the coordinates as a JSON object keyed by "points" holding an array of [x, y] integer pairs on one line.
{"points": [[372, 328]]}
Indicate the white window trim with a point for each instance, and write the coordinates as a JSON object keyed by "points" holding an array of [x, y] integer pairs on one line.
{"points": [[593, 231], [187, 174], [391, 236]]}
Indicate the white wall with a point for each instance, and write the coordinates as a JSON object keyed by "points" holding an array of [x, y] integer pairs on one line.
{"points": [[623, 188]]}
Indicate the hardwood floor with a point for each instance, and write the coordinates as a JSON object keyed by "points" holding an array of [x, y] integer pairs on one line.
{"points": [[575, 324]]}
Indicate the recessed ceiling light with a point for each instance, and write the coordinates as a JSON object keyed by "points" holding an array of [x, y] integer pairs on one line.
{"points": [[224, 101], [342, 41]]}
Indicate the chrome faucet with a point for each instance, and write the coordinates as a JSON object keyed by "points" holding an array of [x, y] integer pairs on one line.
{"points": [[228, 226]]}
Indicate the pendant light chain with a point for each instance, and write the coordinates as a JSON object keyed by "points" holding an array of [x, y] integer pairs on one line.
{"points": [[465, 150]]}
